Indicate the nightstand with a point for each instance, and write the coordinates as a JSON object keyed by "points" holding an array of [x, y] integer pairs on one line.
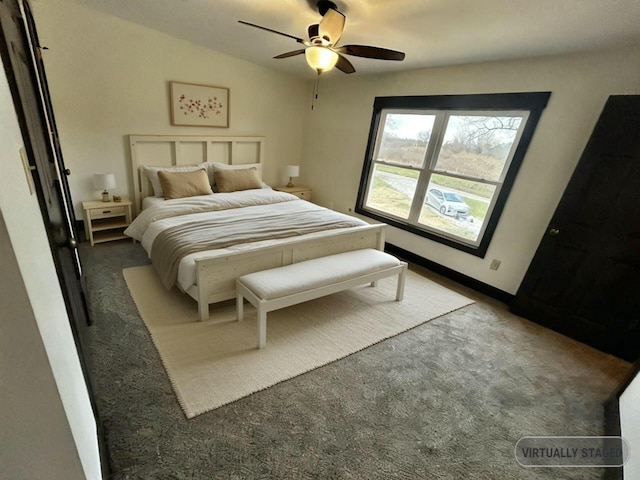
{"points": [[298, 191], [106, 221]]}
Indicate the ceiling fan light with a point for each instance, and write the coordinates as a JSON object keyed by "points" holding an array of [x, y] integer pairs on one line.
{"points": [[321, 59]]}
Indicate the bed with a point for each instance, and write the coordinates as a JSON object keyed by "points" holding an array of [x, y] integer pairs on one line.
{"points": [[201, 240]]}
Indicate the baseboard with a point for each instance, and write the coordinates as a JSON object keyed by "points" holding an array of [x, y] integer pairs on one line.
{"points": [[451, 274]]}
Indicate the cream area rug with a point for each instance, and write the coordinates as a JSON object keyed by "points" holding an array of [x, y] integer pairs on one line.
{"points": [[211, 364]]}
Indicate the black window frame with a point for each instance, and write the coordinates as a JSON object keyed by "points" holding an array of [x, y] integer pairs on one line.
{"points": [[532, 102]]}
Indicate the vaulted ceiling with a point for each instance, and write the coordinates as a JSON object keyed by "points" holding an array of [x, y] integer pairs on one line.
{"points": [[430, 32]]}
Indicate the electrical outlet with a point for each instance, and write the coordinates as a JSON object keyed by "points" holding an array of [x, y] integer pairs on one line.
{"points": [[494, 264]]}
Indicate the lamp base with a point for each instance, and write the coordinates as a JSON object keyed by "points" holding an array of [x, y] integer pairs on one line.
{"points": [[105, 196], [290, 184]]}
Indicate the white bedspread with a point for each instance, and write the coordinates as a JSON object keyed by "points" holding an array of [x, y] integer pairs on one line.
{"points": [[203, 203], [225, 208]]}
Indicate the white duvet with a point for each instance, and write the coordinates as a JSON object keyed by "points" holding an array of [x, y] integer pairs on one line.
{"points": [[225, 207]]}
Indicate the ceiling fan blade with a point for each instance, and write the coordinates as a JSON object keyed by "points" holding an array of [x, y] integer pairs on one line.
{"points": [[290, 54], [332, 26], [367, 51], [297, 39], [344, 65]]}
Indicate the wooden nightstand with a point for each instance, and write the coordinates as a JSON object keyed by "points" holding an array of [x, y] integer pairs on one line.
{"points": [[106, 221], [298, 191]]}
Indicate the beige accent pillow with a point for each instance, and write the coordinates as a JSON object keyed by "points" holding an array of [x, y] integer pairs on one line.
{"points": [[152, 174], [234, 180], [216, 167], [184, 184]]}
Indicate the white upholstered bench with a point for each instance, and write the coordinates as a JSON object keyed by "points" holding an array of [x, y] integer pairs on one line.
{"points": [[288, 285]]}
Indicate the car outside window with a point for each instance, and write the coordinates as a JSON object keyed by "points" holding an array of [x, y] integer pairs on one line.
{"points": [[442, 166]]}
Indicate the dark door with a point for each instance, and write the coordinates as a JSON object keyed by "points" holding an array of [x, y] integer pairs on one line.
{"points": [[19, 48], [25, 72], [584, 280]]}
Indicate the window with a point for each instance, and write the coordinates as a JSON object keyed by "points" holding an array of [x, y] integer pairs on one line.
{"points": [[442, 166]]}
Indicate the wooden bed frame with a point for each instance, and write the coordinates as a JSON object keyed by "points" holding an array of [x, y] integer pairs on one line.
{"points": [[216, 275], [173, 151]]}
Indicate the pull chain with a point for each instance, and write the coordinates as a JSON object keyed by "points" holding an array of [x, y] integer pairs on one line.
{"points": [[316, 86]]}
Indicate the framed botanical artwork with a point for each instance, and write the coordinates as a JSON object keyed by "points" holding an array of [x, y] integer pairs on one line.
{"points": [[199, 105]]}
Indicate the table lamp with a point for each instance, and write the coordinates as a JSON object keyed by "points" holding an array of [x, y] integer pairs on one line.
{"points": [[291, 171], [104, 181]]}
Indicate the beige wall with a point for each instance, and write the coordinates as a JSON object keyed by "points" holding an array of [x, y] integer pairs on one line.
{"points": [[110, 78], [47, 429], [580, 85]]}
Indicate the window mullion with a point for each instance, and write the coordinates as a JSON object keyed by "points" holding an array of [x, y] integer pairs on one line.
{"points": [[438, 136], [419, 196], [429, 161]]}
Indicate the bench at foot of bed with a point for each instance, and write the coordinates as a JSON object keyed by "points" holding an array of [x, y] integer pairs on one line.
{"points": [[288, 285]]}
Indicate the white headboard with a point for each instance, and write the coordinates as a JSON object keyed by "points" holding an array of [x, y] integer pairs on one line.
{"points": [[168, 151]]}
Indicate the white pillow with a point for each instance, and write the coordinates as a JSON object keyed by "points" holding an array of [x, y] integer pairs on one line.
{"points": [[152, 174]]}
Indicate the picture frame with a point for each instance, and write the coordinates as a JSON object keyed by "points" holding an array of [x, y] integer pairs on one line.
{"points": [[199, 105]]}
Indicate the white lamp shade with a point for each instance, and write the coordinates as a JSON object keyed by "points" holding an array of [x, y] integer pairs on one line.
{"points": [[321, 59], [292, 171], [104, 181]]}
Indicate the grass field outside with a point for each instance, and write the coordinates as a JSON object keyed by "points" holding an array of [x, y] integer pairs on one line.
{"points": [[385, 198]]}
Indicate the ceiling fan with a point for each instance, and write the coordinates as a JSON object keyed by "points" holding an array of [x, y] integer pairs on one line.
{"points": [[321, 51]]}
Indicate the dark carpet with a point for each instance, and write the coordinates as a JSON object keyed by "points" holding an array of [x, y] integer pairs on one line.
{"points": [[447, 400]]}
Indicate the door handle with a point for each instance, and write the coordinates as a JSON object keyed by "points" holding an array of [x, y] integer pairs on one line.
{"points": [[554, 231]]}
